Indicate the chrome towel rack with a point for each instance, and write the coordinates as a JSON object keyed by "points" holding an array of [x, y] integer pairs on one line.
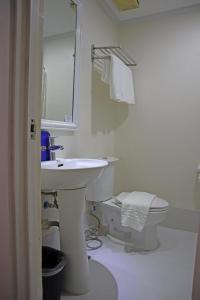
{"points": [[101, 53]]}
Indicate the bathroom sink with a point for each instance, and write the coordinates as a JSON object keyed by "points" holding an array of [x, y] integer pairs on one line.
{"points": [[70, 173], [70, 177]]}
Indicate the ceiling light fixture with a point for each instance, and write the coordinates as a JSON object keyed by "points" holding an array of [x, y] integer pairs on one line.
{"points": [[126, 4]]}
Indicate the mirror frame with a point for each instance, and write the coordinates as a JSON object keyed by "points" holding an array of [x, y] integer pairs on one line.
{"points": [[70, 126]]}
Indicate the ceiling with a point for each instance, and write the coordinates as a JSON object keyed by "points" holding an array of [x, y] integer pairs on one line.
{"points": [[147, 7]]}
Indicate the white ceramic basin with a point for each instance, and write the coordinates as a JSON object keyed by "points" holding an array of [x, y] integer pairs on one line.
{"points": [[70, 173]]}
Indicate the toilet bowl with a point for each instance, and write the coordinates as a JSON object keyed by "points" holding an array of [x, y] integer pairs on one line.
{"points": [[101, 191]]}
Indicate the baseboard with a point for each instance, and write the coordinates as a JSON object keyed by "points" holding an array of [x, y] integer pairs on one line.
{"points": [[183, 219]]}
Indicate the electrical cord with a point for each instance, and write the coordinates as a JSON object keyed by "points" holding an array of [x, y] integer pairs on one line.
{"points": [[93, 242]]}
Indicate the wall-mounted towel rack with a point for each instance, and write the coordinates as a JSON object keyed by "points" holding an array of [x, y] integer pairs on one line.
{"points": [[101, 53]]}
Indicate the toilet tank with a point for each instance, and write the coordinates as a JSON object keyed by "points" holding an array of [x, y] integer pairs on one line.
{"points": [[102, 188]]}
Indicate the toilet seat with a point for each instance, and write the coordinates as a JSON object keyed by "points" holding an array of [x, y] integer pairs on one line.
{"points": [[157, 205]]}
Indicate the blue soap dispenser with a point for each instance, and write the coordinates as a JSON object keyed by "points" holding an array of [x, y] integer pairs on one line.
{"points": [[45, 151]]}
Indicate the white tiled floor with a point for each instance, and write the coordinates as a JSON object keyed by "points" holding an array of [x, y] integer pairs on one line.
{"points": [[164, 274]]}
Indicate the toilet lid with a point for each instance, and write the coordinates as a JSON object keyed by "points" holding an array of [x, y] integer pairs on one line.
{"points": [[159, 204]]}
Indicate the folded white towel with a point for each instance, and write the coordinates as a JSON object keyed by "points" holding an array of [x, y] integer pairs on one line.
{"points": [[120, 78], [135, 208]]}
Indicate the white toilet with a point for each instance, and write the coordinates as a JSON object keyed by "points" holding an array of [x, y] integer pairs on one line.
{"points": [[100, 191]]}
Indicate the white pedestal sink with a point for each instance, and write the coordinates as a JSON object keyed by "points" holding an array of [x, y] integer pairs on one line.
{"points": [[70, 178]]}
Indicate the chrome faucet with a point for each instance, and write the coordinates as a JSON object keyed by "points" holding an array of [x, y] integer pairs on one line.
{"points": [[53, 147]]}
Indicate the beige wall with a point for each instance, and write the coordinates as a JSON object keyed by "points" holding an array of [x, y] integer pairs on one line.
{"points": [[158, 142], [95, 136]]}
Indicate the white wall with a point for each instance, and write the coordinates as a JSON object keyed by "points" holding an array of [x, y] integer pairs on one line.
{"points": [[59, 17], [95, 136], [158, 139]]}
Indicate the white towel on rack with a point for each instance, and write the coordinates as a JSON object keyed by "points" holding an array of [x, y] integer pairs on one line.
{"points": [[120, 78], [105, 71], [135, 209]]}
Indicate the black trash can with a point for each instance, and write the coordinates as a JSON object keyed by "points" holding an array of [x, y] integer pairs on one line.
{"points": [[53, 262]]}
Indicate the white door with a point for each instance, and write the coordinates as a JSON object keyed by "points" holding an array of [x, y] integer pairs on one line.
{"points": [[26, 122], [33, 147]]}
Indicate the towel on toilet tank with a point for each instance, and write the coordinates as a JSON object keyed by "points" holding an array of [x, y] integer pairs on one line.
{"points": [[135, 208]]}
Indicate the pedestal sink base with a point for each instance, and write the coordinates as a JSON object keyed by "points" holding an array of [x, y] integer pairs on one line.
{"points": [[70, 177], [71, 209], [103, 284]]}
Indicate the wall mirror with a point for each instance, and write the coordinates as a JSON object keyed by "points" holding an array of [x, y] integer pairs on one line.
{"points": [[60, 70]]}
